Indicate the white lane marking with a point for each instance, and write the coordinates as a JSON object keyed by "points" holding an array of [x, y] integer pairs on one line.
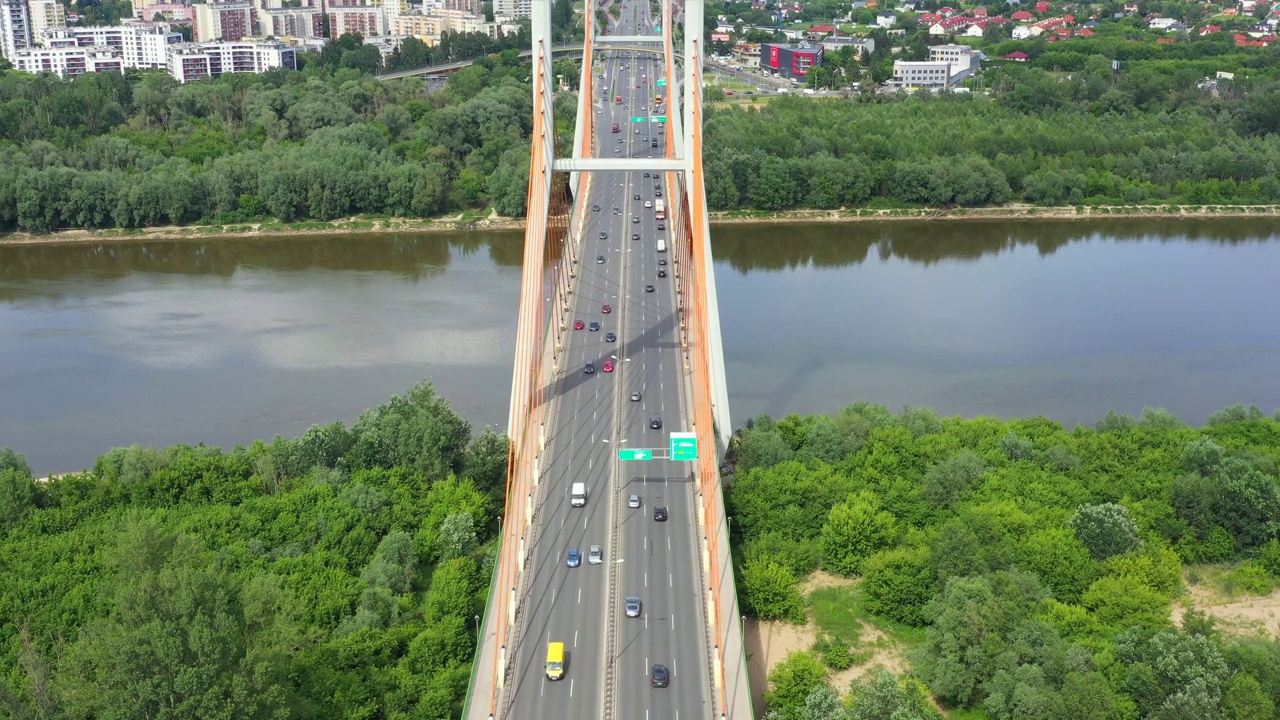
{"points": [[584, 522], [646, 543], [575, 638], [570, 687], [553, 602], [673, 622], [646, 579], [543, 690], [579, 596], [671, 580], [646, 621], [668, 543]]}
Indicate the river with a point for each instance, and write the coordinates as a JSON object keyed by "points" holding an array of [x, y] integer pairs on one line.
{"points": [[225, 341]]}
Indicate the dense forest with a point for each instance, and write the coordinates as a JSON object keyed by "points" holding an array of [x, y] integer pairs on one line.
{"points": [[1036, 566], [331, 141], [336, 575]]}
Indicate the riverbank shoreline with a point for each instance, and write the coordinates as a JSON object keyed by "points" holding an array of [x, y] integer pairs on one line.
{"points": [[495, 223]]}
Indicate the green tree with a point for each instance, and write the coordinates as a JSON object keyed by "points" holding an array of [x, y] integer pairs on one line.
{"points": [[947, 482], [854, 530], [790, 683], [881, 696], [899, 584], [1105, 529], [1245, 700], [770, 591]]}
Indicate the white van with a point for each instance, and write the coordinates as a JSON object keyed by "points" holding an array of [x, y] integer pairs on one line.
{"points": [[578, 494]]}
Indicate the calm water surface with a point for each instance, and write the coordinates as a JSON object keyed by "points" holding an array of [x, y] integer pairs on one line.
{"points": [[226, 341]]}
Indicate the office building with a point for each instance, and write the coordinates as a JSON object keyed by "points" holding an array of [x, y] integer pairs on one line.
{"points": [[194, 61]]}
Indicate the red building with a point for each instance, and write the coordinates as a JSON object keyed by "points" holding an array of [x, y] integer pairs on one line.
{"points": [[791, 61]]}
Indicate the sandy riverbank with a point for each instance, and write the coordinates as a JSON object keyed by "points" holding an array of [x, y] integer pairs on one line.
{"points": [[355, 226]]}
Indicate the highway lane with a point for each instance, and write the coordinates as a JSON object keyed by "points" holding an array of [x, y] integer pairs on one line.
{"points": [[658, 560]]}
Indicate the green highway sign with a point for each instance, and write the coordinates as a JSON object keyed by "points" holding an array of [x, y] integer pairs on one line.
{"points": [[683, 446], [662, 83], [635, 454], [637, 119], [659, 118]]}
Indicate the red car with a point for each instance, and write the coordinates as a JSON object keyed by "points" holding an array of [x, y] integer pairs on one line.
{"points": [[577, 325], [608, 366], [606, 309]]}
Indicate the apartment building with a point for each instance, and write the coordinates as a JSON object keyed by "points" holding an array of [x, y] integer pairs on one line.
{"points": [[194, 61], [225, 21], [367, 20], [45, 14], [291, 22], [69, 62], [139, 46], [512, 9], [946, 66], [15, 28]]}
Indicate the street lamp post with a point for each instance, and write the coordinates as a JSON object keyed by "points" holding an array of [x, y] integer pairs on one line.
{"points": [[477, 626]]}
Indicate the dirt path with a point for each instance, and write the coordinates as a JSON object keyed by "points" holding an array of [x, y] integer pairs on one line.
{"points": [[1241, 615], [769, 643]]}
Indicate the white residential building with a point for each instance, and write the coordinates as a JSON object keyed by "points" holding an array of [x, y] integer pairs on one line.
{"points": [[886, 19], [1020, 32], [15, 28], [140, 46], [69, 61], [512, 9], [963, 58], [194, 61]]}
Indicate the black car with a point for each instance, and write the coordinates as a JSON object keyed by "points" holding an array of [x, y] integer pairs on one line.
{"points": [[610, 337], [660, 513], [657, 193], [635, 236], [658, 186], [662, 273], [648, 288], [661, 226], [595, 207], [655, 422], [590, 369], [653, 144], [646, 174], [594, 327], [659, 676], [637, 197], [662, 261], [604, 235], [599, 259], [635, 218]]}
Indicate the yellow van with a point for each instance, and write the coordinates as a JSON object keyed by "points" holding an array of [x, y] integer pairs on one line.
{"points": [[555, 660]]}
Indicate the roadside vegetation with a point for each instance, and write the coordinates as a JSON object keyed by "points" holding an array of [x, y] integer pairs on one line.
{"points": [[1028, 570], [336, 575]]}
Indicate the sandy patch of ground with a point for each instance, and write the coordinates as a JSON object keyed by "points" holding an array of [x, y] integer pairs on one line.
{"points": [[769, 643], [1242, 614]]}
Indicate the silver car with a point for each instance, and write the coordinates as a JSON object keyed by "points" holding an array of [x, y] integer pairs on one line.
{"points": [[633, 501], [633, 607], [594, 555]]}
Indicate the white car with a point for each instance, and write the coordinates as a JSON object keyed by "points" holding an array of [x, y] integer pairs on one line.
{"points": [[594, 555]]}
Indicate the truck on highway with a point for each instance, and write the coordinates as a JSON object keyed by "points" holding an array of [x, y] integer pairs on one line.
{"points": [[578, 494], [659, 209], [616, 128], [662, 244]]}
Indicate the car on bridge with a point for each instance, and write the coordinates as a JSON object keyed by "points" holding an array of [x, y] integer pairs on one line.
{"points": [[660, 513], [574, 558], [662, 261], [603, 236], [635, 396], [659, 677], [606, 309], [632, 604], [590, 368], [647, 288], [662, 273], [595, 556], [594, 327], [635, 236], [655, 423], [578, 324], [633, 501], [662, 226], [610, 337]]}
